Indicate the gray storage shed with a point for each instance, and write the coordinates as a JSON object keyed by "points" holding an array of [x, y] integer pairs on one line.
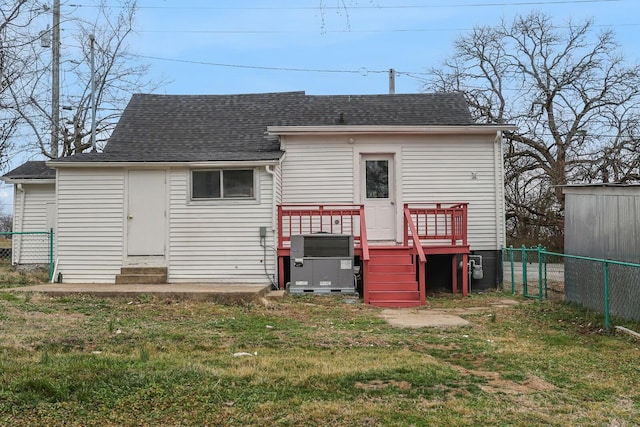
{"points": [[603, 221]]}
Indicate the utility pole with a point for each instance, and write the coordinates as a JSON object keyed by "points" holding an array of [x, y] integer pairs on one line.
{"points": [[55, 79], [92, 40], [392, 81]]}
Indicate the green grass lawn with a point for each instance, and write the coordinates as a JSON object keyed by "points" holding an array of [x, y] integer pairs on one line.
{"points": [[319, 361]]}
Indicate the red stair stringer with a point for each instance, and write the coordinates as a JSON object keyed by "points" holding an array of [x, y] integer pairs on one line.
{"points": [[391, 279]]}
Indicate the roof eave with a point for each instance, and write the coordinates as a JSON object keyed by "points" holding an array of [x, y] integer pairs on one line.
{"points": [[155, 165], [398, 130], [9, 180]]}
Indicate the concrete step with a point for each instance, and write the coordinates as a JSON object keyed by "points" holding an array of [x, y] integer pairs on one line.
{"points": [[140, 279], [143, 270], [141, 275]]}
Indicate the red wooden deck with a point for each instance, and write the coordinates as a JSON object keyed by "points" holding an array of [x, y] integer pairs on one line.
{"points": [[393, 276]]}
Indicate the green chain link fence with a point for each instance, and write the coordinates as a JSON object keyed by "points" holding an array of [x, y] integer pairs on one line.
{"points": [[606, 286], [27, 249]]}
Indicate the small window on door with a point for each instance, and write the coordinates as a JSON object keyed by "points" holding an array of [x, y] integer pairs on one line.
{"points": [[377, 179]]}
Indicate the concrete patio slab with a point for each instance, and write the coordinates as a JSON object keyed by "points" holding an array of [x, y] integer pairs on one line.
{"points": [[407, 318]]}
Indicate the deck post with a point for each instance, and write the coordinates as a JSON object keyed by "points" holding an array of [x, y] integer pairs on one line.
{"points": [[422, 280], [454, 274], [281, 283]]}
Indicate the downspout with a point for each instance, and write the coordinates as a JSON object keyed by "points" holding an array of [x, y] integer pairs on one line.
{"points": [[274, 214], [500, 201], [18, 247]]}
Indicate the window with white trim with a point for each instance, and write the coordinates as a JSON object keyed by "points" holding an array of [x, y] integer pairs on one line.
{"points": [[222, 184]]}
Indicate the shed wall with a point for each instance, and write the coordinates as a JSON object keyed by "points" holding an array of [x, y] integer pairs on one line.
{"points": [[602, 222]]}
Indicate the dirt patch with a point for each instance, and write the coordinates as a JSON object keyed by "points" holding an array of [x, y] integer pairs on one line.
{"points": [[379, 384], [497, 384], [28, 328]]}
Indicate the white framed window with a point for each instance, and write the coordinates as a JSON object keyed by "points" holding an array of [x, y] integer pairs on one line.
{"points": [[213, 184]]}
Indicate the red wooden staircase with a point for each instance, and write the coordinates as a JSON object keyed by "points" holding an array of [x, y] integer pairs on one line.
{"points": [[391, 278]]}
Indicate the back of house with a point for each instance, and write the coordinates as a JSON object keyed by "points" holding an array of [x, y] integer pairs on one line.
{"points": [[210, 188]]}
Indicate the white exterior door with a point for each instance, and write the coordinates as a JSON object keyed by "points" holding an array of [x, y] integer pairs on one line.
{"points": [[378, 195], [146, 205]]}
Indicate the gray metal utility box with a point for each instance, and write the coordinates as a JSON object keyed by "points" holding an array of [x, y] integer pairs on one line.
{"points": [[322, 263]]}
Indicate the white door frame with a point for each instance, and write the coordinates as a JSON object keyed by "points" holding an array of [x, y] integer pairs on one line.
{"points": [[394, 155]]}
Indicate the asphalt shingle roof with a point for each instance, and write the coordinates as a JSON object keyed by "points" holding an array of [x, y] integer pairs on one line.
{"points": [[32, 170], [156, 128]]}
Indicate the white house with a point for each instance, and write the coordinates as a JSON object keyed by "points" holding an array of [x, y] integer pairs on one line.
{"points": [[207, 189]]}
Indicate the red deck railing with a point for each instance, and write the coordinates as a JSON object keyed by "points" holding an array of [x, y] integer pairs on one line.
{"points": [[309, 219], [417, 247], [442, 222], [294, 219]]}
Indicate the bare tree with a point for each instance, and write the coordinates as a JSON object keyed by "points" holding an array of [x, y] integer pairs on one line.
{"points": [[117, 75], [16, 18], [574, 99]]}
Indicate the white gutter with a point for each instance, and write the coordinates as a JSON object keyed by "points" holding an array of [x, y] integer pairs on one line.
{"points": [[29, 180], [274, 215], [396, 130], [499, 165], [156, 165]]}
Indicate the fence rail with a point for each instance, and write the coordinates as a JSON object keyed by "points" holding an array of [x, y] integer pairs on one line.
{"points": [[607, 286], [26, 249]]}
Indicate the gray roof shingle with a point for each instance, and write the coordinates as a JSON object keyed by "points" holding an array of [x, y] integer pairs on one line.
{"points": [[156, 128], [32, 170]]}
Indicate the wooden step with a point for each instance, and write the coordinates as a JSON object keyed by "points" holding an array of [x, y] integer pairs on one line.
{"points": [[390, 259], [379, 297], [391, 277], [391, 287], [395, 303], [398, 268]]}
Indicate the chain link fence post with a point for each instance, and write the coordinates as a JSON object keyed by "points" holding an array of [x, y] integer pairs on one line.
{"points": [[607, 320], [513, 278]]}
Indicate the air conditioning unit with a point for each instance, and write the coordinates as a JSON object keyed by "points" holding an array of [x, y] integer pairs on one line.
{"points": [[322, 263]]}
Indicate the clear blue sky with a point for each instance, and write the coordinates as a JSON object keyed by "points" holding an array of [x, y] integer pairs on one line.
{"points": [[197, 44], [245, 46]]}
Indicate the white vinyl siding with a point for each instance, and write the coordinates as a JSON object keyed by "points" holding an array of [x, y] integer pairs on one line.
{"points": [[429, 169], [458, 170], [33, 206], [318, 171], [219, 242], [89, 243]]}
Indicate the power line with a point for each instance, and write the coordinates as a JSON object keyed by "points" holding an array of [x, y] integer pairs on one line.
{"points": [[361, 7], [362, 71]]}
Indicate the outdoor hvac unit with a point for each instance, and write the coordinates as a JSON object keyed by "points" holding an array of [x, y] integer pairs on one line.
{"points": [[322, 263]]}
